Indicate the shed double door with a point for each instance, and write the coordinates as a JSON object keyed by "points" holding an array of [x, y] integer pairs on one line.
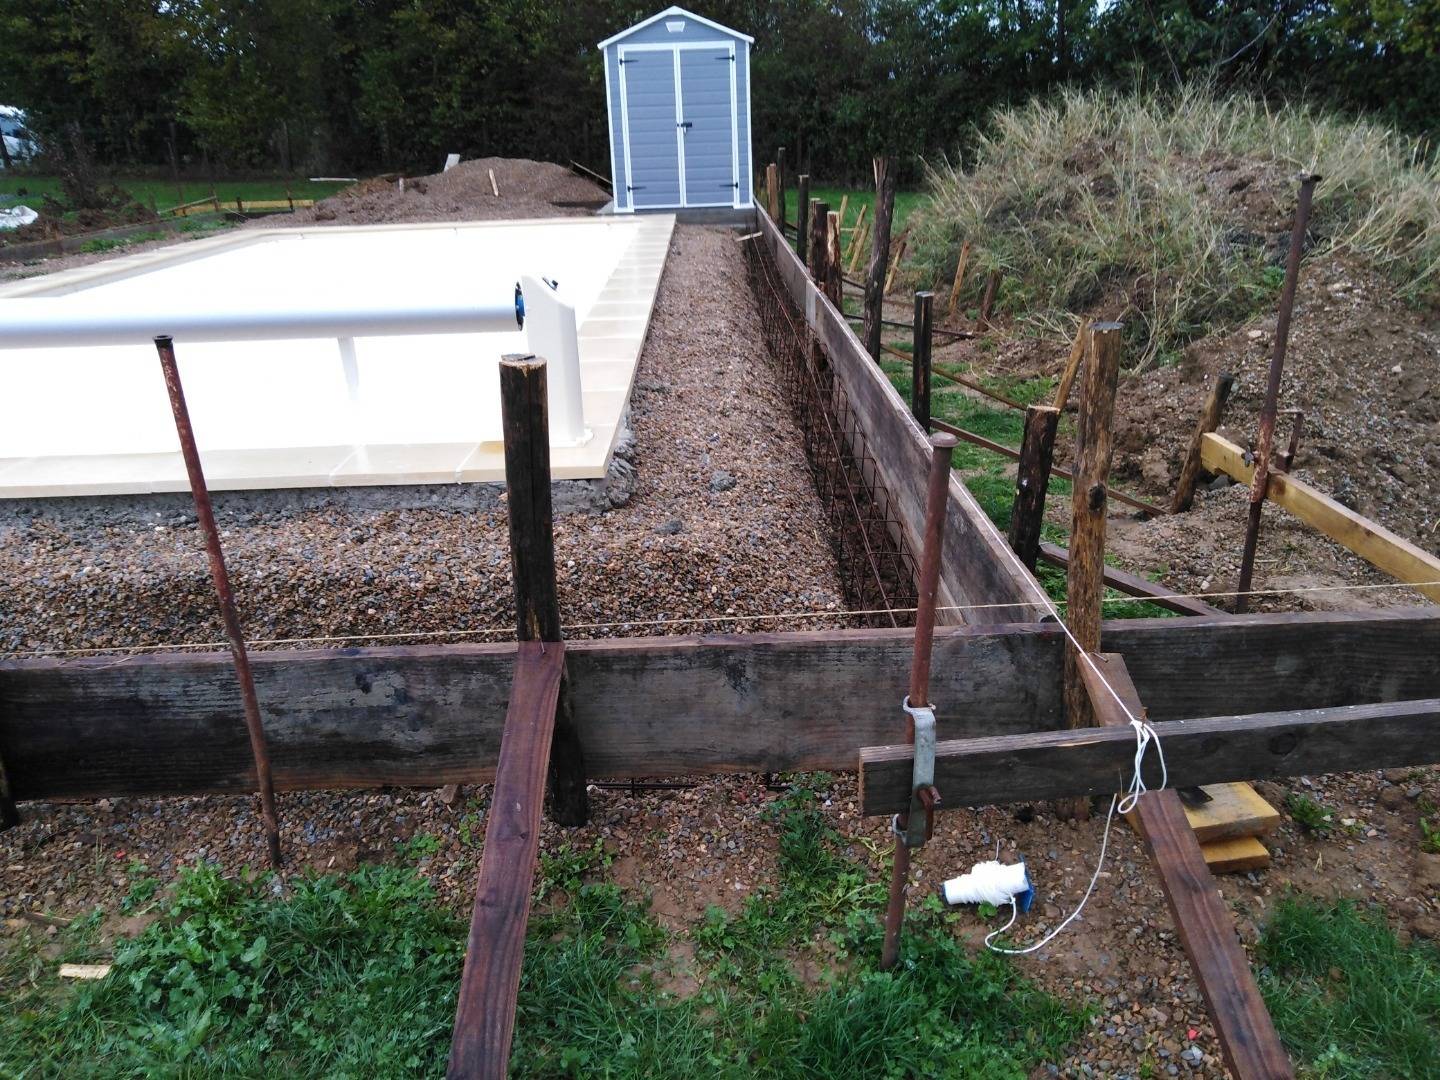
{"points": [[680, 125]]}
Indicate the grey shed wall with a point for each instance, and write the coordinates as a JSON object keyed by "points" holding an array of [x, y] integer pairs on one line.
{"points": [[641, 95]]}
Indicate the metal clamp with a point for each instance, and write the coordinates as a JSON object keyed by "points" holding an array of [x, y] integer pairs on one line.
{"points": [[924, 797]]}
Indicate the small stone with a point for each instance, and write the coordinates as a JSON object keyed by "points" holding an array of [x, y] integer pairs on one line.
{"points": [[671, 526], [721, 481], [1391, 798], [1427, 871]]}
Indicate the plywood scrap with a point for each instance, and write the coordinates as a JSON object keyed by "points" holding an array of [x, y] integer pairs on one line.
{"points": [[1234, 811], [1235, 856]]}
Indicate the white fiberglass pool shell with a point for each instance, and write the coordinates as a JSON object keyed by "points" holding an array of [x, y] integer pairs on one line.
{"points": [[321, 411]]}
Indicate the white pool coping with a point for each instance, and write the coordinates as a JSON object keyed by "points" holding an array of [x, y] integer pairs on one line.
{"points": [[611, 336]]}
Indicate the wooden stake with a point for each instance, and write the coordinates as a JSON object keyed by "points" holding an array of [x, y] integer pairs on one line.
{"points": [[895, 262], [1085, 580], [1209, 420], [1032, 479], [781, 179], [494, 187], [857, 245], [1072, 364], [819, 243], [772, 191], [844, 205], [987, 302], [802, 217], [920, 358], [879, 254], [834, 277], [859, 222], [524, 410], [959, 278]]}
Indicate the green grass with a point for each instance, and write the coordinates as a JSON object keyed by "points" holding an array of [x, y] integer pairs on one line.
{"points": [[1092, 201], [1350, 1001], [357, 976], [986, 474], [906, 203], [166, 194]]}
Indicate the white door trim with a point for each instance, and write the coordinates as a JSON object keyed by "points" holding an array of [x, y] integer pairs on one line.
{"points": [[625, 131], [734, 131], [679, 128]]}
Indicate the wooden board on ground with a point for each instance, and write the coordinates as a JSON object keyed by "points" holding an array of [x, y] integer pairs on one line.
{"points": [[1233, 812], [1236, 855]]}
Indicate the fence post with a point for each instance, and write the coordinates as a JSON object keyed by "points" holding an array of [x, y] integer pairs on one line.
{"points": [[1209, 420], [879, 255], [802, 217]]}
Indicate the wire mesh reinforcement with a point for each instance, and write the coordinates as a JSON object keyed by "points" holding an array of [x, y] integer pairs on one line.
{"points": [[877, 569]]}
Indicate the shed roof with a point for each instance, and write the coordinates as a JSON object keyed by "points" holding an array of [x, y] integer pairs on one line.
{"points": [[670, 12]]}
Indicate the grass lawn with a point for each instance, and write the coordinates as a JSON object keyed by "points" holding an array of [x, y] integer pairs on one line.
{"points": [[356, 976], [1351, 1001], [165, 193], [905, 202]]}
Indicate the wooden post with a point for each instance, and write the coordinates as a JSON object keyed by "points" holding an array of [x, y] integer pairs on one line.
{"points": [[1032, 479], [524, 410], [844, 206], [920, 358], [1072, 364], [987, 302], [959, 278], [819, 242], [1209, 421], [879, 254], [834, 281], [859, 221], [781, 180], [772, 192], [1085, 585], [802, 217]]}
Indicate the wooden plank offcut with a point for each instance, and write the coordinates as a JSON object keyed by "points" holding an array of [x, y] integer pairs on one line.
{"points": [[485, 1015]]}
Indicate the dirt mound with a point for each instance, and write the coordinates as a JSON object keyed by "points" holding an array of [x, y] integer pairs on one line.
{"points": [[528, 189]]}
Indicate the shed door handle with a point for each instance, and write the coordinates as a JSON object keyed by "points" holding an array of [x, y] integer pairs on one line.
{"points": [[685, 124]]}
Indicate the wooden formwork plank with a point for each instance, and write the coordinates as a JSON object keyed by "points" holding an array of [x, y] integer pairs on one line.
{"points": [[1134, 585], [1374, 543], [978, 567], [432, 715], [1235, 810], [1217, 749], [485, 1014]]}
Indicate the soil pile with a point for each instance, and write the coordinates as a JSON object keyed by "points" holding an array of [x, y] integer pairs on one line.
{"points": [[528, 189]]}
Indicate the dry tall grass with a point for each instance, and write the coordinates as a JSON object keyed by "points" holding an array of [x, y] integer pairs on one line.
{"points": [[1088, 197]]}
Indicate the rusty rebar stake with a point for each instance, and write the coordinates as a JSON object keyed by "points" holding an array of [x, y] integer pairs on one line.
{"points": [[942, 447], [1265, 437], [205, 514]]}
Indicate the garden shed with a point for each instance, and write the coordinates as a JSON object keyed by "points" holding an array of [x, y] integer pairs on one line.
{"points": [[677, 89]]}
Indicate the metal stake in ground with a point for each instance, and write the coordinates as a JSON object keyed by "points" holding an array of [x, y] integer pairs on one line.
{"points": [[920, 358], [205, 514], [1265, 437], [924, 798]]}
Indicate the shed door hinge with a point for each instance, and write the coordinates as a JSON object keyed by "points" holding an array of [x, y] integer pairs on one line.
{"points": [[727, 59]]}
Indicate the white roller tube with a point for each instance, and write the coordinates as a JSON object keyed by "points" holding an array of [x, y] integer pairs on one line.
{"points": [[550, 333], [41, 322]]}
